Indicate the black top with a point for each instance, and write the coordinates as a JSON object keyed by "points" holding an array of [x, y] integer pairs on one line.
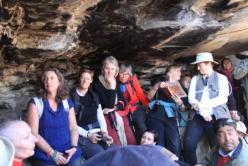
{"points": [[107, 97], [85, 107]]}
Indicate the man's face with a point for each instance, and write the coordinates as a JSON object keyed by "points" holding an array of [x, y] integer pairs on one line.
{"points": [[24, 141], [204, 67], [227, 138]]}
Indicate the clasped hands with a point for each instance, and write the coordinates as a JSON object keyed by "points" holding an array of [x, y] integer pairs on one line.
{"points": [[98, 136]]}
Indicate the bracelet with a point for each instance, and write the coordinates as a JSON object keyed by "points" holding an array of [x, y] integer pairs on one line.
{"points": [[50, 153], [54, 155], [74, 146]]}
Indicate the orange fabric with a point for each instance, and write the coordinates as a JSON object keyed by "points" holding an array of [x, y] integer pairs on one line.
{"points": [[134, 94], [139, 91], [17, 163]]}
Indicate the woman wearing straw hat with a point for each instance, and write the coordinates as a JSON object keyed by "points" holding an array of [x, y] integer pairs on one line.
{"points": [[208, 95]]}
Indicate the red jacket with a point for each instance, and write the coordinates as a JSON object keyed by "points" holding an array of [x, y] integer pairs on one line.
{"points": [[133, 95]]}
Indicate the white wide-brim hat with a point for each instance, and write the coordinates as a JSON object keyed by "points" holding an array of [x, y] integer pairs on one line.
{"points": [[204, 57], [7, 152], [241, 127]]}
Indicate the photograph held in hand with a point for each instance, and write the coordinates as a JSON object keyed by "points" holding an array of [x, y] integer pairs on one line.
{"points": [[176, 89]]}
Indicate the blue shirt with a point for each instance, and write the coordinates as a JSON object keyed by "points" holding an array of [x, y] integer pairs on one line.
{"points": [[54, 128]]}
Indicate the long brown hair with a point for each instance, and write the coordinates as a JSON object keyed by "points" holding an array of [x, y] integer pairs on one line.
{"points": [[62, 91]]}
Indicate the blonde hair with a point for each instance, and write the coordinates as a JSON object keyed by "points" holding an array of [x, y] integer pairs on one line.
{"points": [[112, 60]]}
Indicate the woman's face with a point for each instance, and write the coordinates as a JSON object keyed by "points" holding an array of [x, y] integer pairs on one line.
{"points": [[85, 80], [109, 70], [175, 74], [147, 139], [227, 64], [124, 77], [51, 82]]}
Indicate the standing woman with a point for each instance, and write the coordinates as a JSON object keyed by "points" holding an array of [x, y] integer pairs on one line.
{"points": [[105, 87], [93, 132], [55, 125], [164, 110]]}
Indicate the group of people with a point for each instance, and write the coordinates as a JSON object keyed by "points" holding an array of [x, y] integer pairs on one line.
{"points": [[113, 110]]}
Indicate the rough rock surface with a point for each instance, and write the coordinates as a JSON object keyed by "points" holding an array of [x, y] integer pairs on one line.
{"points": [[148, 33]]}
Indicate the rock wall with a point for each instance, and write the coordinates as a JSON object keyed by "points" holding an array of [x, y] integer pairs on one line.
{"points": [[150, 34]]}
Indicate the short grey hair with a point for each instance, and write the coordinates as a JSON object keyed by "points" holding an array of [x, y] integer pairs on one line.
{"points": [[126, 68], [8, 128]]}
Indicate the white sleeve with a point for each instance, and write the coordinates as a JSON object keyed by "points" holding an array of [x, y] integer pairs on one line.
{"points": [[101, 119], [82, 132], [192, 91]]}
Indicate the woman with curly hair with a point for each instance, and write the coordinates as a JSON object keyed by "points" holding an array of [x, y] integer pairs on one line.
{"points": [[52, 120]]}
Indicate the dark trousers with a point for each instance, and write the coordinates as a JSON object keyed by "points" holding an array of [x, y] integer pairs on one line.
{"points": [[139, 121], [168, 133], [90, 149], [35, 162], [196, 128]]}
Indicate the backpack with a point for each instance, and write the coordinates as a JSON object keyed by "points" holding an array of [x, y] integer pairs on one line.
{"points": [[40, 106]]}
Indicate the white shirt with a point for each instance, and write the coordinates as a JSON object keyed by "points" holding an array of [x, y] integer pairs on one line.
{"points": [[206, 104]]}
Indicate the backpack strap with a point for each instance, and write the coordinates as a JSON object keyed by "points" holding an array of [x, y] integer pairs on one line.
{"points": [[39, 105], [95, 97], [66, 105]]}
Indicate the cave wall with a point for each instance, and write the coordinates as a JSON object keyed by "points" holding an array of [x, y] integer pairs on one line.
{"points": [[150, 34]]}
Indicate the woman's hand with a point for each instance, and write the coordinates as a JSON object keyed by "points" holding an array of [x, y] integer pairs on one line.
{"points": [[59, 158], [111, 81], [107, 110], [94, 137], [109, 139], [70, 153], [179, 102], [177, 99], [163, 84]]}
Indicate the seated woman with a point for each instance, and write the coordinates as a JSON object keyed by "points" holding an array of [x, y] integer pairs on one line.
{"points": [[150, 137], [105, 87], [52, 120], [135, 101], [163, 114], [93, 132]]}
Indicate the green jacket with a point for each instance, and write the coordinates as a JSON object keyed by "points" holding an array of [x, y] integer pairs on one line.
{"points": [[239, 157]]}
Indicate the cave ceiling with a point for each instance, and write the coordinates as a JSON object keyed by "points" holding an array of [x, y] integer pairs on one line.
{"points": [[148, 33]]}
